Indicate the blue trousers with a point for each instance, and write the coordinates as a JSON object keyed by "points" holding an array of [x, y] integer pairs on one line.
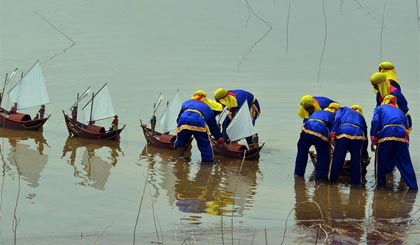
{"points": [[394, 153], [341, 147], [323, 155], [203, 143]]}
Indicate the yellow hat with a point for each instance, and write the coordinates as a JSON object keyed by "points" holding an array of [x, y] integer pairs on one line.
{"points": [[214, 105], [225, 97], [220, 93], [377, 78], [389, 99], [305, 102], [198, 94], [386, 65], [332, 107], [357, 108]]}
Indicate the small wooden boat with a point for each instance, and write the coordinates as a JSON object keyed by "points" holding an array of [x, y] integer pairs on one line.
{"points": [[347, 165], [99, 107], [78, 129], [20, 121], [236, 150], [165, 141], [28, 92]]}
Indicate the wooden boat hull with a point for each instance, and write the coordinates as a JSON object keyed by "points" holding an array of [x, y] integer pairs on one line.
{"points": [[20, 121], [165, 141], [78, 129], [347, 165], [235, 150]]}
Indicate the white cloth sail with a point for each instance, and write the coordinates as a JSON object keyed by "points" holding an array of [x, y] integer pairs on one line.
{"points": [[168, 120], [102, 106], [30, 91], [241, 125]]}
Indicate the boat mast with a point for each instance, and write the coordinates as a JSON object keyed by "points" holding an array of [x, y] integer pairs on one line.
{"points": [[91, 101], [6, 81]]}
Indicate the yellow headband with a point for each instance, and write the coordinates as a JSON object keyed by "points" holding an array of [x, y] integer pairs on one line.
{"points": [[357, 108]]}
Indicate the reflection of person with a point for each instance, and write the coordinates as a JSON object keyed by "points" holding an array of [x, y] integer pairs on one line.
{"points": [[349, 132], [380, 83], [310, 104], [192, 193], [331, 207], [233, 100], [41, 112], [315, 131], [391, 211], [196, 118], [389, 132], [13, 109]]}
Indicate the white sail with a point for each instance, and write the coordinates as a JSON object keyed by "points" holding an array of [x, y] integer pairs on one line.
{"points": [[30, 91], [102, 106], [241, 125], [168, 119]]}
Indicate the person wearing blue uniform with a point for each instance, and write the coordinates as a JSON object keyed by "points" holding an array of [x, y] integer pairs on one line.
{"points": [[196, 118], [349, 132], [315, 131], [382, 84], [389, 137], [233, 100], [310, 104]]}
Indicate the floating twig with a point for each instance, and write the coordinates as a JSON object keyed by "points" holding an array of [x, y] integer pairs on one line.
{"points": [[382, 33], [102, 232], [141, 203], [16, 221], [287, 28], [325, 41], [251, 10], [58, 30]]}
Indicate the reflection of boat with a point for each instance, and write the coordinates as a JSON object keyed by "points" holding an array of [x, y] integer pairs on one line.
{"points": [[28, 92], [28, 161], [72, 144], [20, 135], [96, 170], [99, 107]]}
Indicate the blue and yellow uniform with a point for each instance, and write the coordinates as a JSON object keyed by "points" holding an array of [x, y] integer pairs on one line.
{"points": [[233, 100], [196, 118], [350, 133], [310, 104], [389, 130], [382, 84], [315, 131]]}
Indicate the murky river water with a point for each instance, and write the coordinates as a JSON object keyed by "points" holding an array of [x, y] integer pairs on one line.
{"points": [[56, 190]]}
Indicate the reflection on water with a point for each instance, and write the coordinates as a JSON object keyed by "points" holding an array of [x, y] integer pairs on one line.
{"points": [[391, 216], [215, 189], [93, 170], [30, 162], [337, 214]]}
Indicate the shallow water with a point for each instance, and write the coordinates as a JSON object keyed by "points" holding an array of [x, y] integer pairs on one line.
{"points": [[71, 191]]}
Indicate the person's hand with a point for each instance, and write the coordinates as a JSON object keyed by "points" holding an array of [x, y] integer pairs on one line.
{"points": [[222, 142], [373, 146]]}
